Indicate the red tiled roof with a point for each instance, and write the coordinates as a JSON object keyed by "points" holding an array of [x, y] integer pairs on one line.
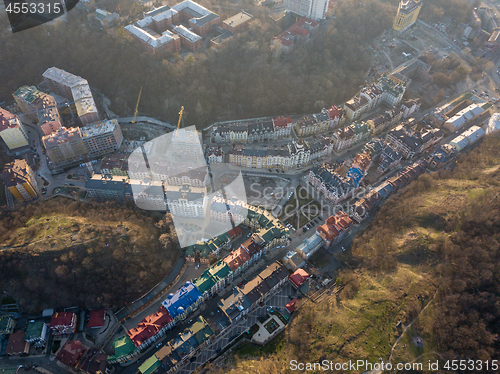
{"points": [[291, 306], [233, 233], [237, 258], [5, 116], [149, 326], [282, 121], [61, 319], [96, 318], [334, 112], [16, 344], [334, 225], [299, 277], [71, 353]]}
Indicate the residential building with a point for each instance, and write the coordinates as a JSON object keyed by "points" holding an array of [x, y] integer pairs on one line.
{"points": [[473, 134], [40, 107], [95, 363], [36, 333], [16, 344], [441, 156], [214, 279], [298, 278], [124, 350], [183, 301], [115, 164], [409, 107], [388, 159], [65, 146], [328, 182], [12, 131], [282, 126], [19, 178], [237, 23], [151, 328], [63, 323], [161, 30], [351, 135], [265, 283], [236, 305], [362, 207], [150, 365], [96, 319], [299, 31], [407, 140], [102, 137], [105, 18], [334, 229], [186, 201], [460, 142], [462, 117], [309, 246], [408, 11], [293, 260], [314, 9], [7, 325], [71, 353], [75, 89], [104, 187], [312, 124], [215, 155]]}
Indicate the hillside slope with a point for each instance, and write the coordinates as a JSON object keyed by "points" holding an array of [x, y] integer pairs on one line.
{"points": [[65, 253], [429, 261]]}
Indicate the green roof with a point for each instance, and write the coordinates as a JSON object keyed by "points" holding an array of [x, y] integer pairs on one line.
{"points": [[271, 234], [122, 346], [29, 94], [150, 365], [205, 282], [33, 330], [219, 270]]}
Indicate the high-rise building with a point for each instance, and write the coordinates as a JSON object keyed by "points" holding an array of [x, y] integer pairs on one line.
{"points": [[314, 9], [73, 88], [20, 180], [40, 107], [12, 131], [65, 146], [407, 14], [102, 137]]}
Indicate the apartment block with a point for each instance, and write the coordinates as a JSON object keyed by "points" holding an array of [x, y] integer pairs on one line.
{"points": [[65, 146], [408, 11], [102, 137], [12, 131], [73, 88], [19, 178], [314, 9]]}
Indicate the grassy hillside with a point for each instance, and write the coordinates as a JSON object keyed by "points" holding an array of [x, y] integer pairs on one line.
{"points": [[64, 253], [429, 261]]}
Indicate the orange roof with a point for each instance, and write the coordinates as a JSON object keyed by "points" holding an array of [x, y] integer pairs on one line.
{"points": [[299, 277], [237, 258], [362, 161], [334, 225], [149, 326]]}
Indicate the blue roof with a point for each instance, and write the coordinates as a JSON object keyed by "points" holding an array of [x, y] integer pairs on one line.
{"points": [[355, 174], [181, 300]]}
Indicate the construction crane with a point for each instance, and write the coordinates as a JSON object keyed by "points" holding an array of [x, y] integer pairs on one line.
{"points": [[179, 122], [137, 106]]}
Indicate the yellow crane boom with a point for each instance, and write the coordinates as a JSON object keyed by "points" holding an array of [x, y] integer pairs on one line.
{"points": [[179, 122], [137, 106]]}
